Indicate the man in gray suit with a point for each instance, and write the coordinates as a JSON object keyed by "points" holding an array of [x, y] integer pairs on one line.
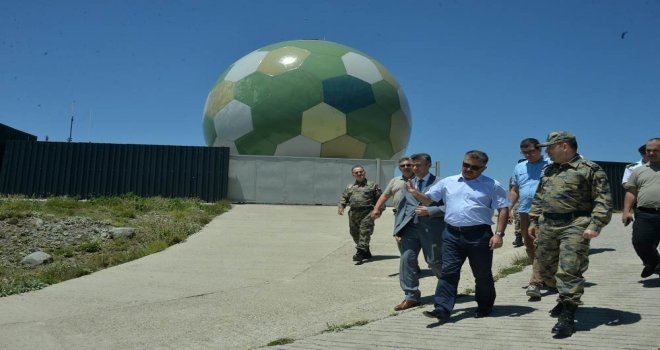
{"points": [[418, 227]]}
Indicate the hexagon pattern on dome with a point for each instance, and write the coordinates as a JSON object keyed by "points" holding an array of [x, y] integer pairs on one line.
{"points": [[309, 98]]}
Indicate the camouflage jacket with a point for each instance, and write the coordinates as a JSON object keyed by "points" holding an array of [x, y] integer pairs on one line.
{"points": [[579, 185], [360, 195]]}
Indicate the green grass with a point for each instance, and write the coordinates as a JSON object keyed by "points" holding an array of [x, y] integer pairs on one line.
{"points": [[280, 341], [333, 328], [159, 222], [518, 264]]}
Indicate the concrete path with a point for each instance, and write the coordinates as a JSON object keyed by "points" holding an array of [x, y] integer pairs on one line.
{"points": [[260, 273], [621, 311]]}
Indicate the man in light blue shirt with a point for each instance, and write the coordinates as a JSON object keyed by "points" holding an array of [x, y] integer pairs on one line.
{"points": [[471, 199], [524, 182]]}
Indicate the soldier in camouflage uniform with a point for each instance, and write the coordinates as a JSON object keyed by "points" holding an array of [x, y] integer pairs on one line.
{"points": [[572, 204], [361, 196]]}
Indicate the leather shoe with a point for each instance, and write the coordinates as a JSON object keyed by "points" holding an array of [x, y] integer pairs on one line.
{"points": [[647, 271], [440, 314], [480, 313], [407, 304]]}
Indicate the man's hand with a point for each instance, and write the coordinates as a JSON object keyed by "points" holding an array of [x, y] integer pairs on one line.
{"points": [[422, 210], [410, 187], [589, 234], [533, 231], [626, 218], [340, 211], [375, 214], [495, 242]]}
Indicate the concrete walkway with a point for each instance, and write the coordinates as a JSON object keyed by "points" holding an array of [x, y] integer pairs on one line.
{"points": [[260, 273]]}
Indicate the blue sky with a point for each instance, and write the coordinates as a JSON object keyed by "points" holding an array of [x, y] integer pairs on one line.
{"points": [[478, 74]]}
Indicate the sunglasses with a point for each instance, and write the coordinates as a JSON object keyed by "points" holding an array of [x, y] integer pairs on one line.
{"points": [[405, 165], [472, 167]]}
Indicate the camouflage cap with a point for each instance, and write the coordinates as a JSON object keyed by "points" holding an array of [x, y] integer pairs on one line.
{"points": [[557, 137]]}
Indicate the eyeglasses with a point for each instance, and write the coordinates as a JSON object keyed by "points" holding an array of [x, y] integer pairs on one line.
{"points": [[472, 167], [405, 165], [529, 152]]}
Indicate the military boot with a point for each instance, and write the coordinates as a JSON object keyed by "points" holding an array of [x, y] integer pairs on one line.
{"points": [[556, 311], [565, 326], [358, 255], [367, 254]]}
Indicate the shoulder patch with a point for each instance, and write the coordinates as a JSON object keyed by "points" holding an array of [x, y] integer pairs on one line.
{"points": [[591, 164]]}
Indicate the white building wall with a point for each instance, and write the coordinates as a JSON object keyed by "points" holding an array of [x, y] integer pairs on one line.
{"points": [[298, 180]]}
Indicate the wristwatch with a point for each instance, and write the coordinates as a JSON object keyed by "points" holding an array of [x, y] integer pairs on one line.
{"points": [[501, 234]]}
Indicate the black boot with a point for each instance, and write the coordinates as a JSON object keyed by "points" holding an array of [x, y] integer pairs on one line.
{"points": [[565, 327], [359, 255], [556, 311], [518, 242], [367, 253]]}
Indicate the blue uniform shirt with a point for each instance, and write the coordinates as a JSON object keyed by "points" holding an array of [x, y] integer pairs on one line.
{"points": [[469, 202], [526, 177]]}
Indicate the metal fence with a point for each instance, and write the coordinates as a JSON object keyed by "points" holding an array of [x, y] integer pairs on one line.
{"points": [[614, 171], [86, 170]]}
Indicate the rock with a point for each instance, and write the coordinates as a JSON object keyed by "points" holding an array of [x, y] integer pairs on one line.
{"points": [[37, 222], [37, 258], [116, 232]]}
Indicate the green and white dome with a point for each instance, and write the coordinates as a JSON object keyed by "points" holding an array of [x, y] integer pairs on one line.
{"points": [[308, 98]]}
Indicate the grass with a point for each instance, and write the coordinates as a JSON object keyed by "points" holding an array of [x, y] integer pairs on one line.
{"points": [[334, 328], [280, 341], [518, 264], [160, 223]]}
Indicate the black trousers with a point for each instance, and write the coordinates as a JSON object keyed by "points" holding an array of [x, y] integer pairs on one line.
{"points": [[646, 237]]}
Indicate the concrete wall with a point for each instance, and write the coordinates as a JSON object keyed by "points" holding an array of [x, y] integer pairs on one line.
{"points": [[298, 180]]}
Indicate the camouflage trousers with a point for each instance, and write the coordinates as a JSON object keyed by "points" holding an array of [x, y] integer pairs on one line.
{"points": [[516, 220], [563, 256], [361, 227]]}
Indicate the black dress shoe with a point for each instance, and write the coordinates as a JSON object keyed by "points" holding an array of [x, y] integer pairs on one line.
{"points": [[480, 313], [440, 314], [647, 271]]}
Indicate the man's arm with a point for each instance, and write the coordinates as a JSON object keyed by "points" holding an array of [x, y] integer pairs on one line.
{"points": [[601, 214], [343, 200], [502, 220], [380, 203], [628, 201], [514, 194], [421, 197]]}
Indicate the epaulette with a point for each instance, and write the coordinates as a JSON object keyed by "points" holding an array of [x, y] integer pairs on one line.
{"points": [[631, 165], [593, 165]]}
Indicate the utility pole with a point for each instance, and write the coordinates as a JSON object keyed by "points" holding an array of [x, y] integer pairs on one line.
{"points": [[71, 125]]}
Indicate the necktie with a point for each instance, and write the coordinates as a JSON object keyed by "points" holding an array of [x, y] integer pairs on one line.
{"points": [[420, 184]]}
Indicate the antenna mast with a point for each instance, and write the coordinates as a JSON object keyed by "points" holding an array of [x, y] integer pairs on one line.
{"points": [[71, 125]]}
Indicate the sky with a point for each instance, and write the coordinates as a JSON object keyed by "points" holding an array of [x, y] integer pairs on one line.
{"points": [[477, 74]]}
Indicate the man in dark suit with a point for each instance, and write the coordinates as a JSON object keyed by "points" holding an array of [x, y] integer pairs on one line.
{"points": [[418, 227]]}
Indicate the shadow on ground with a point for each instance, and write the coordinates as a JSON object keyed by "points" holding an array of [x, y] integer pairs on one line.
{"points": [[594, 251], [589, 318], [498, 311], [650, 283]]}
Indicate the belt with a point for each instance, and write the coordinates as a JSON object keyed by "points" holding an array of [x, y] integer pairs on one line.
{"points": [[566, 216], [649, 210], [362, 208], [475, 228]]}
